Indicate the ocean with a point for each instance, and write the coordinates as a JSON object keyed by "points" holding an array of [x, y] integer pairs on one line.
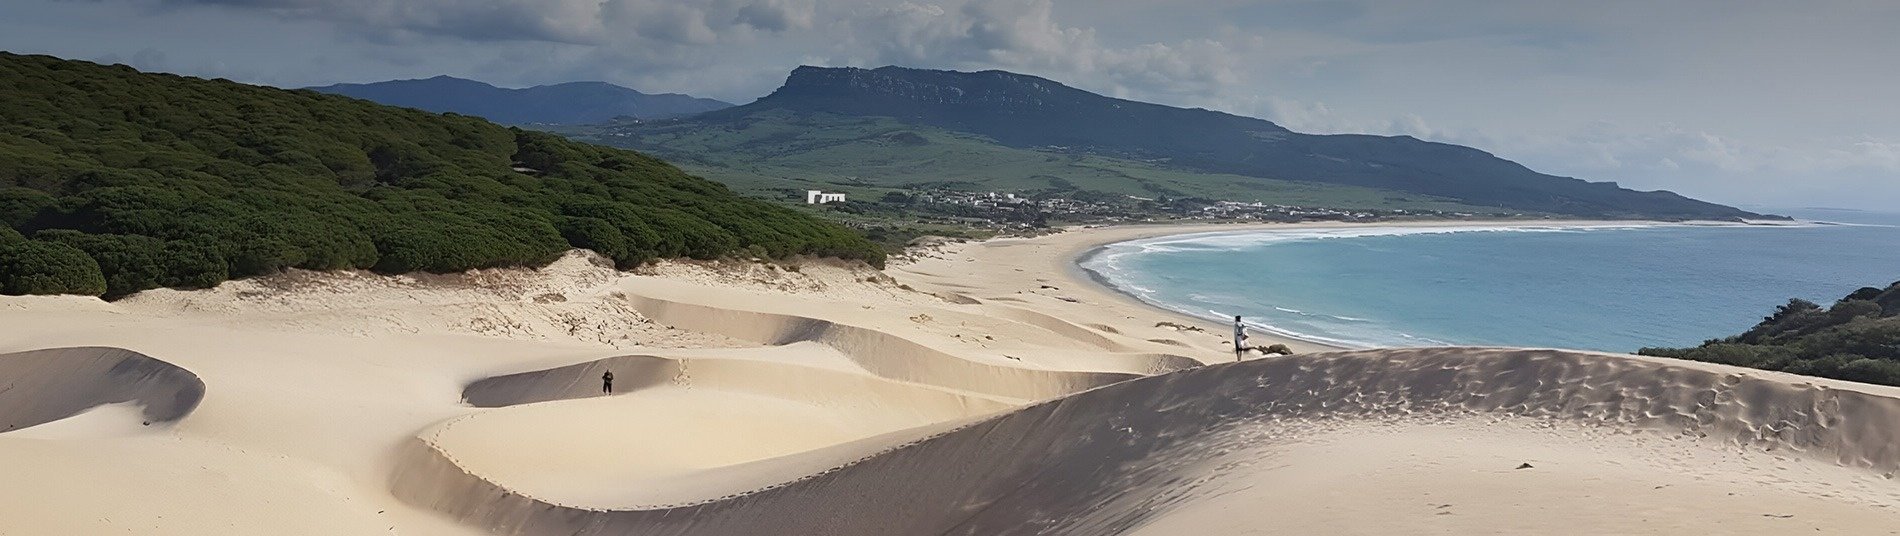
{"points": [[1606, 287]]}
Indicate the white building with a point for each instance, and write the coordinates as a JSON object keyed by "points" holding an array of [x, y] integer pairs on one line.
{"points": [[819, 197]]}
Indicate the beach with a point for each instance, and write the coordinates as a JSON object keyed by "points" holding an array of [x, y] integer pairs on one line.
{"points": [[1043, 272], [1026, 266], [986, 387]]}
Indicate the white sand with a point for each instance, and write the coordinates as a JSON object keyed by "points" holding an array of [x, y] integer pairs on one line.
{"points": [[952, 395]]}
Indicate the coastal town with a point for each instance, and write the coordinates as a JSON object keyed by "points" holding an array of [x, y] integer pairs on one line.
{"points": [[1007, 211]]}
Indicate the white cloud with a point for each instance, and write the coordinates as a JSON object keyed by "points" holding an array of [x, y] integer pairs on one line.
{"points": [[1024, 36]]}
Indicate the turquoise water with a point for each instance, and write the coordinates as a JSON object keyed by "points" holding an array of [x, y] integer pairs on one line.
{"points": [[1600, 287]]}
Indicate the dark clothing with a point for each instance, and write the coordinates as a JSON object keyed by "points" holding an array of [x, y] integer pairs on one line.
{"points": [[607, 383]]}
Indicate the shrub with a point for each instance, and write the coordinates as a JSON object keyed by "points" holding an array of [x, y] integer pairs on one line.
{"points": [[1850, 309], [190, 264], [37, 267], [19, 205], [1858, 339], [129, 263], [1861, 369], [598, 235]]}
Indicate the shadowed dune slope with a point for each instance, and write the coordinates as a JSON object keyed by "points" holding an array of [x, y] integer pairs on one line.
{"points": [[897, 358], [636, 372], [684, 431], [1108, 460], [1061, 327], [631, 373], [42, 386]]}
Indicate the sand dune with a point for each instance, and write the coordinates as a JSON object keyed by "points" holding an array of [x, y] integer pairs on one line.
{"points": [[1113, 459], [48, 385], [106, 456], [830, 399], [890, 356], [671, 421]]}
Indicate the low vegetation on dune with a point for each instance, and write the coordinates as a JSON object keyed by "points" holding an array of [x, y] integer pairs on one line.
{"points": [[114, 181], [1856, 339]]}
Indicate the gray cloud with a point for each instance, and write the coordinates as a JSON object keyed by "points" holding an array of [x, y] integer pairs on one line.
{"points": [[572, 21], [1024, 35], [775, 15], [583, 22]]}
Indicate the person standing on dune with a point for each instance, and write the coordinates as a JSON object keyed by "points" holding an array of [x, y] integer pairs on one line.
{"points": [[607, 382], [1240, 339]]}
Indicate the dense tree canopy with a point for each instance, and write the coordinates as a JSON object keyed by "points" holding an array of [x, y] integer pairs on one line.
{"points": [[1857, 339], [156, 180]]}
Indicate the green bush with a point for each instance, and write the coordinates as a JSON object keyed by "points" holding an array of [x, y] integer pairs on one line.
{"points": [[1861, 369], [1889, 300], [130, 263], [602, 237], [1857, 339], [1850, 309], [19, 205], [36, 267]]}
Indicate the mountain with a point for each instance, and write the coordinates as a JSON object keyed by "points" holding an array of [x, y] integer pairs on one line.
{"points": [[571, 103], [1036, 114], [782, 153], [114, 181]]}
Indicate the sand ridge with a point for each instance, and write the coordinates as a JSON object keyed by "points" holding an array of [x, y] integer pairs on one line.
{"points": [[886, 355], [1113, 459]]}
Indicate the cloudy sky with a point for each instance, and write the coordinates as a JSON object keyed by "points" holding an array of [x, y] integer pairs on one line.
{"points": [[1752, 102]]}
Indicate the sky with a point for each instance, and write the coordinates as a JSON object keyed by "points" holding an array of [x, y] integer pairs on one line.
{"points": [[1757, 103]]}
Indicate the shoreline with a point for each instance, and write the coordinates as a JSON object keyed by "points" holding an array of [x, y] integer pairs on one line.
{"points": [[1061, 255], [1084, 274]]}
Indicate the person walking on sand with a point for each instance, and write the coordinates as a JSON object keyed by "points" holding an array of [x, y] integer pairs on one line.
{"points": [[607, 382], [1240, 339]]}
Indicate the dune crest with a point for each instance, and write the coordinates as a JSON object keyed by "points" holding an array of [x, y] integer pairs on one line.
{"points": [[890, 356]]}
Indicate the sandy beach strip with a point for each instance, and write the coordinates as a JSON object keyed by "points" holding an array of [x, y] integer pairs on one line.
{"points": [[1031, 266]]}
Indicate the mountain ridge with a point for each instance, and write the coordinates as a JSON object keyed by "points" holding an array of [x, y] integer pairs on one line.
{"points": [[565, 103], [1027, 111]]}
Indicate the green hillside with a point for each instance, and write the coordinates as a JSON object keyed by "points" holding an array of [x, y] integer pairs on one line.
{"points": [[1099, 143], [114, 181], [783, 153], [1858, 339]]}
